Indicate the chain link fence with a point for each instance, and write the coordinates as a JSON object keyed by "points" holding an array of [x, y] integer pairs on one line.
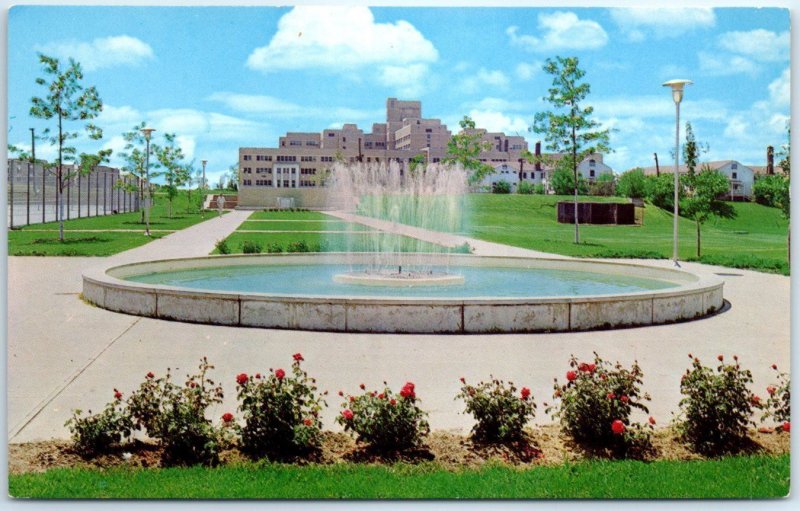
{"points": [[32, 192]]}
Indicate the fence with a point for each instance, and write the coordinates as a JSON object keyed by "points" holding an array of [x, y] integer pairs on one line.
{"points": [[32, 192]]}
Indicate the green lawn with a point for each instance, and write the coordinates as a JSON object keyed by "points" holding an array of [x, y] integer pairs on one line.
{"points": [[31, 240], [756, 238], [330, 242], [301, 225], [733, 477], [290, 215]]}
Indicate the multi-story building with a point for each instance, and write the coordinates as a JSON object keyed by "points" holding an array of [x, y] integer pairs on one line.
{"points": [[296, 168]]}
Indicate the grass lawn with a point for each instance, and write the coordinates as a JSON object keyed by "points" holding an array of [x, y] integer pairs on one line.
{"points": [[732, 477], [300, 225], [290, 215], [756, 238], [33, 240]]}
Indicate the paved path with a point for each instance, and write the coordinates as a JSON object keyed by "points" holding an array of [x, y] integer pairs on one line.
{"points": [[64, 354]]}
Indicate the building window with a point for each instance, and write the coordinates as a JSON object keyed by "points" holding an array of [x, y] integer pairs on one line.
{"points": [[331, 134], [733, 175], [591, 163], [591, 174], [734, 165], [247, 157], [295, 142]]}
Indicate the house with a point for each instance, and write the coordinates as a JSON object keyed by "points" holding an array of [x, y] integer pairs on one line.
{"points": [[739, 176]]}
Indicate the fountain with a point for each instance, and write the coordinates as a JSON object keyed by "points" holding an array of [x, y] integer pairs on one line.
{"points": [[386, 282]]}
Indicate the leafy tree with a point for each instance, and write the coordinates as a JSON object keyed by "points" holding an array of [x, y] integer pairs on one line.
{"points": [[415, 162], [563, 182], [769, 190], [233, 177], [464, 149], [632, 184], [703, 203], [692, 150], [133, 155], [569, 128], [501, 187], [175, 171], [67, 101], [660, 191]]}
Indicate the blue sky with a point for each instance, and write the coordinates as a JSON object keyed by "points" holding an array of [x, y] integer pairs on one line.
{"points": [[225, 77]]}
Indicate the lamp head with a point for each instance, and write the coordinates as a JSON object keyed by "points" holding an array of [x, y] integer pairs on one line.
{"points": [[204, 162], [147, 132], [677, 88]]}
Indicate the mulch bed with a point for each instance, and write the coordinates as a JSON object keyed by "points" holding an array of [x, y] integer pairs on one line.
{"points": [[544, 445]]}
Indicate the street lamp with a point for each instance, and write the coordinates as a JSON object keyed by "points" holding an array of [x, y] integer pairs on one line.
{"points": [[677, 95], [147, 132], [203, 187]]}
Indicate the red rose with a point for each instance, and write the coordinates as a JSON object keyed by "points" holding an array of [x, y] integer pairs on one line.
{"points": [[603, 377], [362, 386], [592, 367], [227, 417], [347, 414], [786, 427], [618, 427], [241, 379], [381, 396], [464, 381], [571, 375], [298, 357], [775, 366], [308, 422], [623, 398], [280, 373], [652, 420], [771, 390], [258, 376], [352, 399], [193, 384], [117, 394], [341, 393], [719, 357], [610, 395], [525, 392], [584, 367], [393, 402], [408, 391], [150, 375], [755, 400]]}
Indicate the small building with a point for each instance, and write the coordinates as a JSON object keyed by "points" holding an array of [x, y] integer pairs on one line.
{"points": [[739, 176]]}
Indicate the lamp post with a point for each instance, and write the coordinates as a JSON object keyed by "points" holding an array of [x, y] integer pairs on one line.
{"points": [[147, 132], [677, 95], [203, 187]]}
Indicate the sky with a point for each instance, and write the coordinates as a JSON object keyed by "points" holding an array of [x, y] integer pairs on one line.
{"points": [[221, 78]]}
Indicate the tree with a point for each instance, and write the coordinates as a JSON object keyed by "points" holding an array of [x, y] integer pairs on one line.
{"points": [[692, 151], [67, 101], [415, 162], [603, 186], [464, 149], [563, 182], [233, 177], [632, 184], [703, 203], [569, 129], [660, 191], [133, 154], [175, 171]]}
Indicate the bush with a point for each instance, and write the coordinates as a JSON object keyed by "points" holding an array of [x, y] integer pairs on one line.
{"points": [[539, 189], [274, 248], [501, 187], [660, 191], [603, 186], [95, 434], [596, 403], [251, 247], [716, 407], [298, 246], [632, 184], [175, 416], [222, 247], [770, 190], [385, 420], [563, 182], [525, 188], [499, 410], [778, 405], [281, 411]]}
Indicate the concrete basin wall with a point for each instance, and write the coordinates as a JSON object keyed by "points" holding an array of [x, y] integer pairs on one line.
{"points": [[693, 297]]}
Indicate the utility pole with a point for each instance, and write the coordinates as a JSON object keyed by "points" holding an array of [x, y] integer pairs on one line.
{"points": [[658, 172], [33, 166]]}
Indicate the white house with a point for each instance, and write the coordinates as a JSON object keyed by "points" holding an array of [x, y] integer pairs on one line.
{"points": [[502, 172], [739, 176]]}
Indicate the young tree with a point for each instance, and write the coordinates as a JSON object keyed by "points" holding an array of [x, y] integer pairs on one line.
{"points": [[175, 171], [632, 184], [133, 155], [233, 177], [415, 162], [67, 100], [570, 129], [464, 149], [702, 204], [692, 150]]}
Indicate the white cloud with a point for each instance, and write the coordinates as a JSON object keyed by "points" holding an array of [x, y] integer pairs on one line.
{"points": [[345, 39], [498, 121], [261, 105], [526, 71], [103, 52], [485, 78], [780, 89], [561, 31], [761, 45], [639, 23], [725, 64]]}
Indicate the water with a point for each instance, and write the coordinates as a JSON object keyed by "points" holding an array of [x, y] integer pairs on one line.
{"points": [[480, 282]]}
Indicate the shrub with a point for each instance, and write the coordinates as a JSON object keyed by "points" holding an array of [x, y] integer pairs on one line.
{"points": [[770, 190], [175, 416], [298, 246], [525, 188], [716, 407], [660, 191], [274, 248], [595, 405], [222, 247], [603, 186], [501, 187], [499, 410], [281, 411], [539, 189], [385, 420], [251, 247], [632, 184], [95, 434], [778, 405], [563, 182]]}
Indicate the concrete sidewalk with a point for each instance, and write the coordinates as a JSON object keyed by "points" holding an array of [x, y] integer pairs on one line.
{"points": [[64, 354]]}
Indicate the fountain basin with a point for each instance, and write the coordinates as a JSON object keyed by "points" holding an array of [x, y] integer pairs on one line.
{"points": [[398, 279], [678, 296]]}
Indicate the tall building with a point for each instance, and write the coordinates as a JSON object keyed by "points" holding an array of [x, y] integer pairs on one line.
{"points": [[295, 168]]}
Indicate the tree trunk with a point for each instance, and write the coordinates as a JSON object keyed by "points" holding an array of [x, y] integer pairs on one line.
{"points": [[697, 225], [60, 183], [575, 174]]}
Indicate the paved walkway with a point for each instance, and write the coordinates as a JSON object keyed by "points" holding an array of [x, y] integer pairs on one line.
{"points": [[64, 354]]}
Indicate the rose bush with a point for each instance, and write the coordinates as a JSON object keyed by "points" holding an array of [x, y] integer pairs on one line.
{"points": [[385, 420], [95, 434], [175, 415], [280, 411], [778, 404], [717, 406], [595, 404], [500, 411]]}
